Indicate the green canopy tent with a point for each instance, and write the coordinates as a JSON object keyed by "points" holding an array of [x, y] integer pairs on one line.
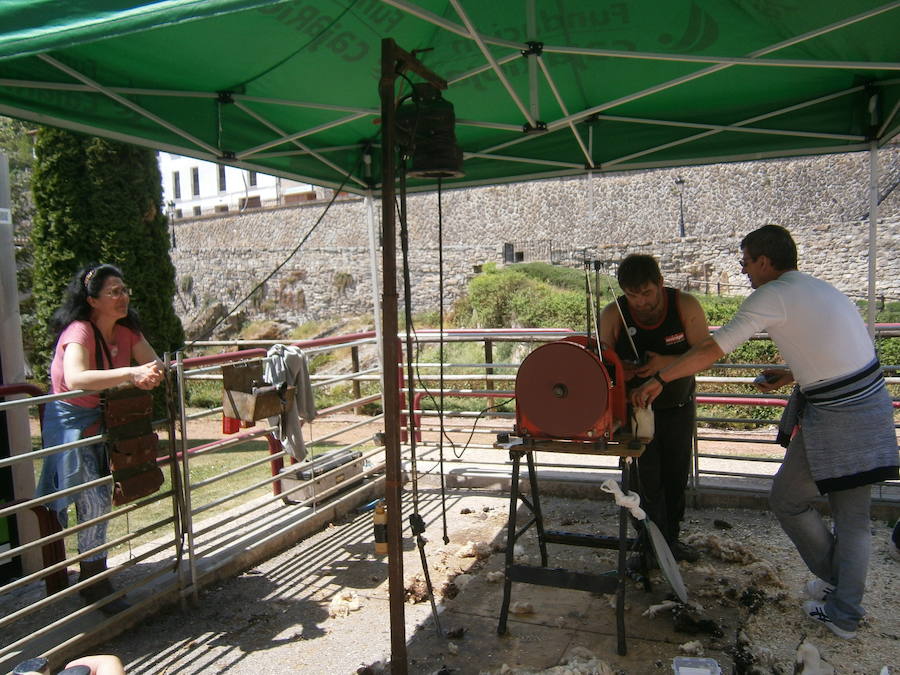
{"points": [[540, 89]]}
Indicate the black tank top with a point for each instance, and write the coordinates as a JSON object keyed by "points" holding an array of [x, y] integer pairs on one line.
{"points": [[668, 338]]}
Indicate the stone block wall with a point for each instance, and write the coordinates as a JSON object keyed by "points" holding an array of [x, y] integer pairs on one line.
{"points": [[823, 201]]}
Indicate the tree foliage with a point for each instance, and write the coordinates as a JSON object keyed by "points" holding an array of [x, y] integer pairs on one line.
{"points": [[16, 145], [101, 201]]}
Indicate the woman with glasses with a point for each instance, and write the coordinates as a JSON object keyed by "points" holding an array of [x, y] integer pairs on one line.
{"points": [[98, 339]]}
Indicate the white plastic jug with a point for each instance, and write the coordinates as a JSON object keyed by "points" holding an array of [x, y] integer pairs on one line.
{"points": [[642, 424]]}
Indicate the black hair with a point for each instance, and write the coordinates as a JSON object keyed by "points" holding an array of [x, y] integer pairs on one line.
{"points": [[86, 283], [636, 270], [774, 242]]}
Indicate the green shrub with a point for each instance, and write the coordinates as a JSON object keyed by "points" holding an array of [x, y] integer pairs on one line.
{"points": [[566, 278], [543, 307], [719, 310], [888, 351], [204, 393], [490, 294]]}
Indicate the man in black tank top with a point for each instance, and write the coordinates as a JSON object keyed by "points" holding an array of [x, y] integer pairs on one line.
{"points": [[662, 323]]}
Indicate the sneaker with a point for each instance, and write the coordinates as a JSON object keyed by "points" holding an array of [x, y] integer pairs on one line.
{"points": [[815, 610], [684, 552], [817, 589]]}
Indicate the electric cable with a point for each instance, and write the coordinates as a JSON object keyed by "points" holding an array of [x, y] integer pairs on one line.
{"points": [[472, 431], [283, 262], [416, 522], [441, 361], [407, 313]]}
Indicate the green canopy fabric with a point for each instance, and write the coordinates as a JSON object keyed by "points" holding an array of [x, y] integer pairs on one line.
{"points": [[540, 88]]}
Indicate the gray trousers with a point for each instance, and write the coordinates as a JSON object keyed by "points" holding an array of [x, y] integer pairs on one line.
{"points": [[841, 557]]}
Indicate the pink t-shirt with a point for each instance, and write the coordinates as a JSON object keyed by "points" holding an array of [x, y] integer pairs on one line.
{"points": [[80, 332]]}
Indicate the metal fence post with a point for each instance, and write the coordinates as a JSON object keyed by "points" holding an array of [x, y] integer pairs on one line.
{"points": [[354, 357], [489, 359]]}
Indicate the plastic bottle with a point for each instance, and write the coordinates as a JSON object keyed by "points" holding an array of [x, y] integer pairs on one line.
{"points": [[380, 520]]}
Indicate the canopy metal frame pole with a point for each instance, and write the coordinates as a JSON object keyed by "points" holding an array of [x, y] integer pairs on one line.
{"points": [[394, 61], [498, 71], [373, 264], [873, 233], [305, 148]]}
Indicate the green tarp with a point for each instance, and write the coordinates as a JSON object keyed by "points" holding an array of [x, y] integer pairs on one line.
{"points": [[291, 88]]}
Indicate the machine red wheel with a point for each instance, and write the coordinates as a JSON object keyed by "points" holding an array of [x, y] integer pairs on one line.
{"points": [[562, 391]]}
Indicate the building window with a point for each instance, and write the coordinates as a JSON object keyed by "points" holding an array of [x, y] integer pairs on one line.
{"points": [[195, 182], [176, 185], [221, 178], [252, 179], [196, 210]]}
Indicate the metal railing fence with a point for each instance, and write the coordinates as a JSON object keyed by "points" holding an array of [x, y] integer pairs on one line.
{"points": [[221, 497], [194, 528]]}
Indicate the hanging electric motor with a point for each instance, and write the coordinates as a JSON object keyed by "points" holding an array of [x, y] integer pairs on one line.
{"points": [[426, 134]]}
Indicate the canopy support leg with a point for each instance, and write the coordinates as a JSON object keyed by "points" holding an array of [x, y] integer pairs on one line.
{"points": [[873, 234]]}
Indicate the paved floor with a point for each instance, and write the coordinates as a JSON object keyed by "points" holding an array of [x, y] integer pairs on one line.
{"points": [[276, 618], [286, 614]]}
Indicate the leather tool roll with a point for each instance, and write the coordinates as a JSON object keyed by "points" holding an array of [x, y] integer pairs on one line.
{"points": [[132, 484], [132, 445]]}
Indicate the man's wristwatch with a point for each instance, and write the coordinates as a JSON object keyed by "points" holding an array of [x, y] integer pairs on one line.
{"points": [[658, 378]]}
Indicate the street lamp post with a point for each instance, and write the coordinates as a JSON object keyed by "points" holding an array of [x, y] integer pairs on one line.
{"points": [[171, 214], [679, 188]]}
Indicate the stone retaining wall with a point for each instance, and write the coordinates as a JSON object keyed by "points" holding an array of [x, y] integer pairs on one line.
{"points": [[821, 200]]}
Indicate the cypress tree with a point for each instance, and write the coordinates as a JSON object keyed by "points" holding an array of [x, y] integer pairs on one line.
{"points": [[100, 200]]}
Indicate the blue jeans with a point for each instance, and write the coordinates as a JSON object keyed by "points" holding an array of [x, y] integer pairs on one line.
{"points": [[841, 557]]}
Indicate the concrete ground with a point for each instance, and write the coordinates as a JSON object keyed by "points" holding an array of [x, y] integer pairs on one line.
{"points": [[321, 607], [319, 604]]}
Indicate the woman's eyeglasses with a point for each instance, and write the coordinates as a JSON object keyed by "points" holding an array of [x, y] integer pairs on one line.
{"points": [[117, 293]]}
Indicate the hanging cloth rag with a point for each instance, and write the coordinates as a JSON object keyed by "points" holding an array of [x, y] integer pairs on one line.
{"points": [[288, 364]]}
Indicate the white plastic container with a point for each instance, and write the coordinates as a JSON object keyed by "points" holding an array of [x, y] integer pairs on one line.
{"points": [[694, 665], [643, 424]]}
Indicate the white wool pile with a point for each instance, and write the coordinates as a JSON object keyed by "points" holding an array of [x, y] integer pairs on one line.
{"points": [[611, 601], [462, 580], [416, 588], [522, 608], [724, 549], [580, 662], [808, 661], [692, 648], [762, 572], [475, 549], [343, 603], [665, 605]]}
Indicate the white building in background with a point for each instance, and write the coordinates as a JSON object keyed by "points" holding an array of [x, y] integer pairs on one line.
{"points": [[192, 187]]}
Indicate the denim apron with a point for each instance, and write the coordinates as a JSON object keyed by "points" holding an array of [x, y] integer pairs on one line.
{"points": [[65, 423]]}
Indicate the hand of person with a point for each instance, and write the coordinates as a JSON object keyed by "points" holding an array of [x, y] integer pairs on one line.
{"points": [[774, 378], [644, 395], [653, 364], [147, 376], [630, 369]]}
